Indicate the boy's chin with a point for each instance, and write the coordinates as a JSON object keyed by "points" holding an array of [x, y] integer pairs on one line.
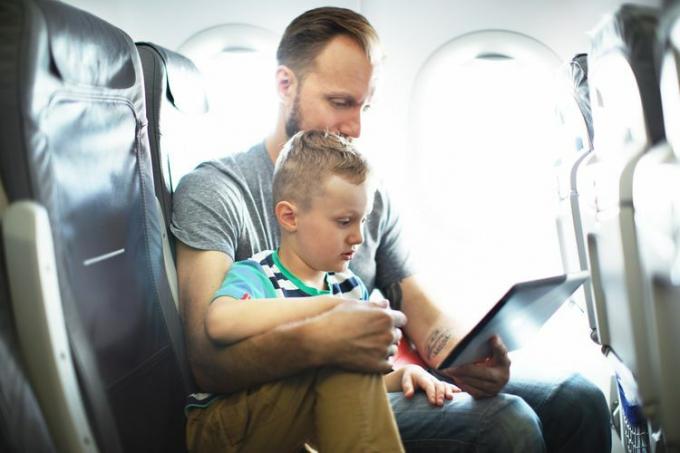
{"points": [[341, 267]]}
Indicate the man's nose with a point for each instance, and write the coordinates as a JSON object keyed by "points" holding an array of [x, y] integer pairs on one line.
{"points": [[351, 126]]}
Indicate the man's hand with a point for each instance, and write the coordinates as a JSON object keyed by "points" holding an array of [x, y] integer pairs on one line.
{"points": [[486, 378], [357, 336]]}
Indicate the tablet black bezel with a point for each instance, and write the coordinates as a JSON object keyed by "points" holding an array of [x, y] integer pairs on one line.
{"points": [[462, 344]]}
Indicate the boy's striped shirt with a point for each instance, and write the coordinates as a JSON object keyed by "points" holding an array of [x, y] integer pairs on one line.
{"points": [[264, 277]]}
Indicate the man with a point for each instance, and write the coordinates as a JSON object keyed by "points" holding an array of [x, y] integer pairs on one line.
{"points": [[223, 212]]}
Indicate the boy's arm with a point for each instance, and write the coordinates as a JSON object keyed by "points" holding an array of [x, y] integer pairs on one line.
{"points": [[393, 380], [229, 320]]}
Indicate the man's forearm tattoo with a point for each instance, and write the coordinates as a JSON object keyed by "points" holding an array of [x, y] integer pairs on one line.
{"points": [[438, 339], [394, 294]]}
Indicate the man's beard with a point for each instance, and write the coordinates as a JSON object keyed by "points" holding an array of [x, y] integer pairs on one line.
{"points": [[293, 121]]}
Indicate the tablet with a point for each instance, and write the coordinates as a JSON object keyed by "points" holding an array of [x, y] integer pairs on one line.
{"points": [[516, 318]]}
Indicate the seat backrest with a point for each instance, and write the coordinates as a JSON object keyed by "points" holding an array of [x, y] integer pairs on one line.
{"points": [[176, 104], [83, 234], [627, 121], [576, 121], [656, 198], [22, 423]]}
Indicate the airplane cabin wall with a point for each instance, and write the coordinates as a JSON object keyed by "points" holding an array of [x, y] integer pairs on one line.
{"points": [[414, 27], [170, 23], [410, 32]]}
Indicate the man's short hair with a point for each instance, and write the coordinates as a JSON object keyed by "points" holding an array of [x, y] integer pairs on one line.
{"points": [[308, 159], [308, 34]]}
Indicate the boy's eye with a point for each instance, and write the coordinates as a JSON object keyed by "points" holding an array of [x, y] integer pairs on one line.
{"points": [[366, 108], [343, 222]]}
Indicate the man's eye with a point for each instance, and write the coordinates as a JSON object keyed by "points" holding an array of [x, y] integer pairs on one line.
{"points": [[343, 222], [340, 103]]}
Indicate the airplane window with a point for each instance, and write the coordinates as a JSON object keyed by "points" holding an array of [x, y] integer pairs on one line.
{"points": [[670, 95], [485, 192], [237, 62]]}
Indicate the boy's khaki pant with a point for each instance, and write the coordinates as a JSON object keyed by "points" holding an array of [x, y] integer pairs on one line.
{"points": [[339, 411]]}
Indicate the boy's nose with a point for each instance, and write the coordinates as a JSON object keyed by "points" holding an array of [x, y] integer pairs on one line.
{"points": [[357, 236]]}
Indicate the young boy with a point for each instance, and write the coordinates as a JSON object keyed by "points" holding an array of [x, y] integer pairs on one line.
{"points": [[322, 195]]}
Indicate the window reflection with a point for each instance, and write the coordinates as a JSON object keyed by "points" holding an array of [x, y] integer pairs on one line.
{"points": [[237, 63], [485, 180]]}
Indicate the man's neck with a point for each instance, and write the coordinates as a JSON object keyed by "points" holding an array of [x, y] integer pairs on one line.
{"points": [[275, 141]]}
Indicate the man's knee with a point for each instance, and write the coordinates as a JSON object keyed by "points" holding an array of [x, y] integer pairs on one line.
{"points": [[511, 425], [592, 404], [582, 411], [503, 423]]}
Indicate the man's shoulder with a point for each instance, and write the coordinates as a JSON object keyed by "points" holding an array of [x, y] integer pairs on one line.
{"points": [[241, 160], [245, 164], [381, 200], [255, 155], [382, 212], [209, 173], [230, 171]]}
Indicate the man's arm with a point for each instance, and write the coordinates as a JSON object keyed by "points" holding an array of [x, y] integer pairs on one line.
{"points": [[432, 332], [435, 334], [353, 335]]}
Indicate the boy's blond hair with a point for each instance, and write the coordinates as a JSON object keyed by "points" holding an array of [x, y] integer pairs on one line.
{"points": [[308, 159]]}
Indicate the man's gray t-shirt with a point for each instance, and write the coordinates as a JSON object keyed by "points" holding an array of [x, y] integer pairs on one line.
{"points": [[226, 205]]}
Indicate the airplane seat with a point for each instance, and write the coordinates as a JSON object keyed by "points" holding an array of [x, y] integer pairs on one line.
{"points": [[627, 121], [176, 102], [92, 305], [22, 423], [656, 198], [575, 118]]}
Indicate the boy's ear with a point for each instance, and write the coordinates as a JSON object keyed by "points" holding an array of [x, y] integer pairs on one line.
{"points": [[286, 83], [286, 215]]}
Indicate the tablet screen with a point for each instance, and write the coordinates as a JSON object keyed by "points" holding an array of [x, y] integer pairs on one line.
{"points": [[516, 317]]}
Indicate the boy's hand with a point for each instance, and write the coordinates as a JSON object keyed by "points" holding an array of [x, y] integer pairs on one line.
{"points": [[415, 377]]}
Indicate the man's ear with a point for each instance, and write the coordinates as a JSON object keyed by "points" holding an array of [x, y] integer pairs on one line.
{"points": [[286, 214], [286, 83]]}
